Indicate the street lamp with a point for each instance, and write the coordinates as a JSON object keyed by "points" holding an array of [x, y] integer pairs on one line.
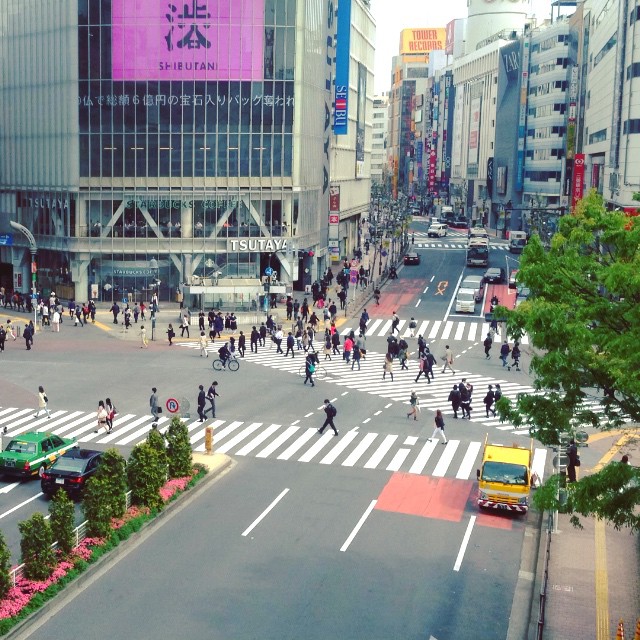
{"points": [[153, 264], [33, 248]]}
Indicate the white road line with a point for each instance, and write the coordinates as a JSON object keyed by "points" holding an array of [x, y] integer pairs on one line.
{"points": [[9, 487], [245, 433], [539, 460], [426, 289], [21, 412], [419, 301], [344, 393], [459, 331], [422, 329], [468, 461], [465, 542], [258, 440], [295, 422], [432, 278], [446, 458], [353, 534], [473, 328], [314, 449], [371, 329], [230, 428], [257, 521], [377, 413], [398, 459], [139, 432], [448, 325], [280, 440], [297, 444], [381, 452], [423, 457], [357, 453], [343, 443], [308, 415], [18, 506], [385, 329], [453, 297], [366, 420], [435, 328], [410, 440]]}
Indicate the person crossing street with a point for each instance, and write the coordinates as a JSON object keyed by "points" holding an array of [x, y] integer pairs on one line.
{"points": [[331, 412]]}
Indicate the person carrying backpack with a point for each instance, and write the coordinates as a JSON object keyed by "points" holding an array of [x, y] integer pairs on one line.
{"points": [[489, 399], [504, 353], [455, 399], [515, 355], [488, 341], [331, 412]]}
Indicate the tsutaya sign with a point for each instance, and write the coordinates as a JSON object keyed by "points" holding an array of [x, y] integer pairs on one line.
{"points": [[257, 244]]}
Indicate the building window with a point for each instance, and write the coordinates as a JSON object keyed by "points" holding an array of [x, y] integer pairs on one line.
{"points": [[598, 136], [633, 70], [603, 52], [632, 126], [634, 15]]}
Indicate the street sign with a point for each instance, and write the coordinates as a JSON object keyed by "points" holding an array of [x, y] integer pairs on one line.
{"points": [[172, 405], [354, 276], [6, 239], [268, 271], [354, 263]]}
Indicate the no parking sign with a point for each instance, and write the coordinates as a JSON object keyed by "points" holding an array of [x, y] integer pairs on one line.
{"points": [[172, 405]]}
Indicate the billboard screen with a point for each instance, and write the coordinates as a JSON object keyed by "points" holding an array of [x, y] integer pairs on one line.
{"points": [[188, 40]]}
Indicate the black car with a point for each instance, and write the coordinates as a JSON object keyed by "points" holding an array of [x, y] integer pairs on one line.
{"points": [[494, 275], [70, 472], [460, 223], [412, 258]]}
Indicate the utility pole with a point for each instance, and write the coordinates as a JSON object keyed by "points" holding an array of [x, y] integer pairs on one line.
{"points": [[33, 248]]}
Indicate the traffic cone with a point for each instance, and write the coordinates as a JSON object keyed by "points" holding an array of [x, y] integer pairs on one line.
{"points": [[620, 632], [636, 635]]}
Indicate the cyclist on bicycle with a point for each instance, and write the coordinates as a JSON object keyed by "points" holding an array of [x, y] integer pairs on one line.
{"points": [[224, 353]]}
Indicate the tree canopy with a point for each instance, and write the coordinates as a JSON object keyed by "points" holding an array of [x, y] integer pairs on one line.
{"points": [[583, 323]]}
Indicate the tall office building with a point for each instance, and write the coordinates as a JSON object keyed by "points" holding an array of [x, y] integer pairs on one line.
{"points": [[379, 167], [180, 142]]}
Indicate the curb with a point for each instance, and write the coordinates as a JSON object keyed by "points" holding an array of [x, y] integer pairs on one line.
{"points": [[95, 571]]}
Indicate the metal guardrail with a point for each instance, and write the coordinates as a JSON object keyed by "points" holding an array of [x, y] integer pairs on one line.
{"points": [[545, 580], [80, 533]]}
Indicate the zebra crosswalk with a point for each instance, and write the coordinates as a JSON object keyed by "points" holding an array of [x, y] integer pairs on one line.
{"points": [[283, 442], [440, 244], [430, 330]]}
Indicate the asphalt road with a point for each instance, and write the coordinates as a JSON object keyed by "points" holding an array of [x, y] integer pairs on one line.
{"points": [[289, 576]]}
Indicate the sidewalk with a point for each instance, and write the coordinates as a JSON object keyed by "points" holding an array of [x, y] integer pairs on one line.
{"points": [[593, 572]]}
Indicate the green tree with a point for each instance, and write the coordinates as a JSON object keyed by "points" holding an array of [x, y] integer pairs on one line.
{"points": [[5, 567], [97, 506], [146, 472], [583, 320], [157, 441], [38, 556], [62, 521], [113, 468], [179, 449]]}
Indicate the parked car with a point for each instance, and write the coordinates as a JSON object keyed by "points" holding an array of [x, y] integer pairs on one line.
{"points": [[513, 279], [476, 284], [494, 275], [70, 472], [31, 453], [522, 294], [465, 301], [412, 258], [437, 230]]}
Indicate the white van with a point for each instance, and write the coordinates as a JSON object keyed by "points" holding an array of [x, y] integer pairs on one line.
{"points": [[466, 301], [437, 230]]}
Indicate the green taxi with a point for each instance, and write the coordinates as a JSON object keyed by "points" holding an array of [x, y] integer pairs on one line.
{"points": [[29, 454]]}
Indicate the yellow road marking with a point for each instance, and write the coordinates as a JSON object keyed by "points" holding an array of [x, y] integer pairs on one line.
{"points": [[442, 285]]}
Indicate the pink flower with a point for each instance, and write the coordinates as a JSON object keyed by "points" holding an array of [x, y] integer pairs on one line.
{"points": [[173, 486]]}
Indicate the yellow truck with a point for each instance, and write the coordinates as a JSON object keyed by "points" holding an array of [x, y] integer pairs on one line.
{"points": [[506, 477]]}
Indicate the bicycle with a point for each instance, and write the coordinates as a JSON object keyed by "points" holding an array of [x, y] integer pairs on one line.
{"points": [[319, 374], [232, 364]]}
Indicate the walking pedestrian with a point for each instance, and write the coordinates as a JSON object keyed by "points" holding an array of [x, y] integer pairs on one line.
{"points": [[412, 327], [497, 395], [143, 337], [254, 337], [448, 360], [277, 338], [263, 335], [290, 344], [78, 319], [10, 330], [431, 362], [489, 399], [102, 417], [212, 394], [310, 368], [439, 427], [26, 334], [395, 322], [335, 341], [465, 398], [203, 341], [184, 326], [202, 401], [515, 357], [43, 403], [414, 401], [504, 353], [346, 349], [355, 357], [242, 341], [111, 413], [171, 334], [153, 404], [331, 412], [455, 398], [3, 337], [55, 321], [488, 341], [327, 345], [115, 309], [422, 364], [388, 366], [573, 460], [402, 358]]}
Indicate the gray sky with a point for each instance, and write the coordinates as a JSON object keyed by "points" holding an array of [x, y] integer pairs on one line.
{"points": [[394, 15]]}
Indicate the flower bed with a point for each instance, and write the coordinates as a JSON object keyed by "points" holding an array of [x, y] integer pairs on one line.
{"points": [[28, 595]]}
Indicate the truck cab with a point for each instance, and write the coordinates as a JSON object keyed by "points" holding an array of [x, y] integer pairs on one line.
{"points": [[517, 241], [505, 478]]}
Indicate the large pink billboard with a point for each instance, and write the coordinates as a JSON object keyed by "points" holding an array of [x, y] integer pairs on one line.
{"points": [[187, 39]]}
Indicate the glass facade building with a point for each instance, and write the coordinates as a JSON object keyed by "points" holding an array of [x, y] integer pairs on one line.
{"points": [[189, 133]]}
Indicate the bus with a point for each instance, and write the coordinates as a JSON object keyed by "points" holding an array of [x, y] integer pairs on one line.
{"points": [[478, 253]]}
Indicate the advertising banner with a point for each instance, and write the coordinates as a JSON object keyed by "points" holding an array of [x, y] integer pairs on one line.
{"points": [[334, 198], [577, 190], [474, 130], [341, 107], [450, 37], [422, 40], [360, 119], [188, 40]]}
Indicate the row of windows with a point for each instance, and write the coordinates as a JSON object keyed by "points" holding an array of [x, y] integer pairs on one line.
{"points": [[186, 155], [598, 136], [634, 15], [549, 43], [632, 126], [542, 176], [549, 66], [603, 52], [548, 87], [546, 132], [633, 70], [545, 154], [547, 110]]}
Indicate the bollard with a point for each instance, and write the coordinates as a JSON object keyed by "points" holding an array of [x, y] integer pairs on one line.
{"points": [[208, 440]]}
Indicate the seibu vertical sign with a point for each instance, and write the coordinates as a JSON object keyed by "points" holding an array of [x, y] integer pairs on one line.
{"points": [[343, 44], [577, 189]]}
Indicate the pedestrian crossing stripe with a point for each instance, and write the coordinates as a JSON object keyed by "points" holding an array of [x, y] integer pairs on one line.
{"points": [[296, 443], [454, 330], [432, 396], [453, 245]]}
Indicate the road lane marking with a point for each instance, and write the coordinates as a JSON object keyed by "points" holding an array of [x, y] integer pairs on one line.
{"points": [[295, 422], [459, 331], [468, 461], [366, 420], [426, 289], [432, 278], [358, 526], [280, 440], [381, 452], [257, 521], [377, 413], [465, 542], [419, 301], [357, 453], [422, 329], [297, 444], [245, 433], [373, 327], [18, 506], [398, 459], [8, 488], [448, 325], [308, 415], [410, 440], [343, 443], [473, 327], [435, 328], [446, 458], [423, 457], [386, 406], [256, 442], [344, 393]]}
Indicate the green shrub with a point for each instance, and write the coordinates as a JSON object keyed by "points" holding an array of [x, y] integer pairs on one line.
{"points": [[158, 443], [179, 449], [5, 567], [97, 506], [146, 472], [62, 521], [38, 556], [113, 468]]}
